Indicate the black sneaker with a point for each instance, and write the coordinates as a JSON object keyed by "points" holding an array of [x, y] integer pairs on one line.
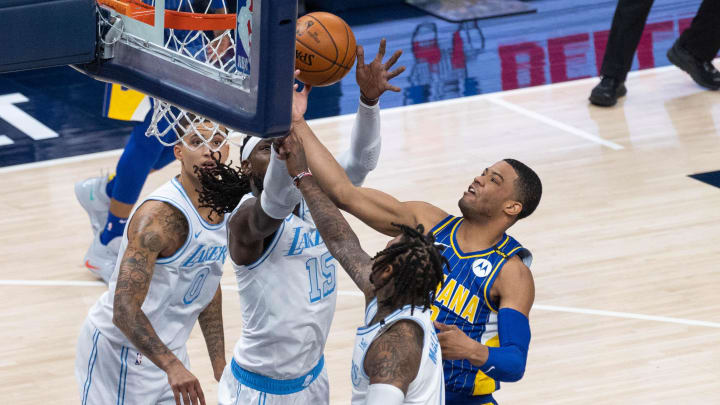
{"points": [[606, 93], [704, 73]]}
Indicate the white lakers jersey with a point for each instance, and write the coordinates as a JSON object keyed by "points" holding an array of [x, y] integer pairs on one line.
{"points": [[288, 300], [428, 387], [182, 285]]}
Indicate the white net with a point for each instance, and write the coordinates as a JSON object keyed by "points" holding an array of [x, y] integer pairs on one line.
{"points": [[213, 50]]}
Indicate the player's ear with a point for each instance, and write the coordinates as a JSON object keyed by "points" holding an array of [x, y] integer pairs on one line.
{"points": [[512, 208], [177, 150]]}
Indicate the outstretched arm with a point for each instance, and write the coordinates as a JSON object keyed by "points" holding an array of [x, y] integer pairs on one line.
{"points": [[392, 362], [514, 289], [340, 239], [156, 229], [365, 141], [375, 208], [211, 324]]}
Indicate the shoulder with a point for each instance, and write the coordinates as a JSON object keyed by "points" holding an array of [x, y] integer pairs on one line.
{"points": [[426, 214], [160, 218], [394, 357], [242, 211]]}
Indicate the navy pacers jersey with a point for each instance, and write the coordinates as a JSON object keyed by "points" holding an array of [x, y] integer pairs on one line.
{"points": [[465, 301]]}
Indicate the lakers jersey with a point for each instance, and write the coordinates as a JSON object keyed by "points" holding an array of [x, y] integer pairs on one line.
{"points": [[428, 387], [288, 300], [464, 300], [182, 285]]}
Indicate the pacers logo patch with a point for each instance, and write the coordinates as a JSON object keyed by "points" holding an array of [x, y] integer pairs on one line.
{"points": [[481, 267]]}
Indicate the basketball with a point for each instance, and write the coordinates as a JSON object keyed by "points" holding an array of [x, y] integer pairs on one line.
{"points": [[324, 48]]}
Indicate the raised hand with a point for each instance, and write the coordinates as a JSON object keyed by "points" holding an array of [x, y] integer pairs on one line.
{"points": [[373, 78], [185, 385], [294, 154], [300, 100]]}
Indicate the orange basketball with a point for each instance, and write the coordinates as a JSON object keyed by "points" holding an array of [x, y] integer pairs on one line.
{"points": [[324, 48]]}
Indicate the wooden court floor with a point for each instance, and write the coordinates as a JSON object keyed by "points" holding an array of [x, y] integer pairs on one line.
{"points": [[625, 243]]}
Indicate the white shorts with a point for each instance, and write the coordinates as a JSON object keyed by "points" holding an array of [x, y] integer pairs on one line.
{"points": [[108, 373], [232, 392]]}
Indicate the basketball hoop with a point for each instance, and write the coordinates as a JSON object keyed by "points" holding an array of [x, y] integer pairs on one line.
{"points": [[202, 39]]}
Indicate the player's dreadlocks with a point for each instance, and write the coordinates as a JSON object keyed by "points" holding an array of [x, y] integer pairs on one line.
{"points": [[417, 267], [222, 186]]}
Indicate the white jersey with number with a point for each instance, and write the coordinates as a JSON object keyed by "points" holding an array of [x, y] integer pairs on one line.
{"points": [[182, 285], [288, 300], [428, 387]]}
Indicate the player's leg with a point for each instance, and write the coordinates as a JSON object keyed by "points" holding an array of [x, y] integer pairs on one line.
{"points": [[140, 156], [228, 388], [100, 368], [698, 45], [625, 33]]}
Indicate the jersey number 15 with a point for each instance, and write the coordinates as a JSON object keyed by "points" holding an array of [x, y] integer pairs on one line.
{"points": [[322, 276]]}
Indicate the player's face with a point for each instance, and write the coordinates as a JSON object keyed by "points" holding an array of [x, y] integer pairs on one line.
{"points": [[194, 150], [488, 194], [257, 163]]}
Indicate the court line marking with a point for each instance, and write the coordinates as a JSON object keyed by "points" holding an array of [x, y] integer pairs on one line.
{"points": [[553, 123], [555, 308], [339, 118]]}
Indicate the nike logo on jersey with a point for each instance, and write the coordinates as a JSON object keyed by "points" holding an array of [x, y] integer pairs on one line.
{"points": [[490, 369], [197, 234]]}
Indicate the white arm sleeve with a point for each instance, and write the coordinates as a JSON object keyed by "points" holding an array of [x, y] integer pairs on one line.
{"points": [[365, 143], [384, 394], [279, 196]]}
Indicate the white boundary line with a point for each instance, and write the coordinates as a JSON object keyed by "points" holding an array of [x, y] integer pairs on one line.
{"points": [[627, 315], [555, 308], [404, 108], [55, 162], [553, 123]]}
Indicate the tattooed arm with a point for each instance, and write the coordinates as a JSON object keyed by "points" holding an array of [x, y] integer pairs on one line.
{"points": [[211, 323], [156, 230], [340, 239], [394, 357]]}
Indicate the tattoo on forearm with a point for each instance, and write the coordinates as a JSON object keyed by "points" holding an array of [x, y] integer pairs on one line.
{"points": [[340, 239], [211, 324]]}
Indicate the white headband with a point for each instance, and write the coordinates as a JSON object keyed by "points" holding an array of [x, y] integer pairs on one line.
{"points": [[249, 146]]}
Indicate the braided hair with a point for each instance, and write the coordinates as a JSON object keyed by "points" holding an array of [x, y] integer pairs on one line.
{"points": [[417, 268], [222, 186]]}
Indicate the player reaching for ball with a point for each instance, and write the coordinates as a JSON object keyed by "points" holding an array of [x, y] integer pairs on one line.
{"points": [[285, 274]]}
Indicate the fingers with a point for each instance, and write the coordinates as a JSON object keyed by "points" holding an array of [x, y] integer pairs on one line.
{"points": [[360, 53], [200, 394], [396, 72], [177, 396], [381, 51], [296, 74], [396, 89], [394, 58], [442, 327], [187, 398]]}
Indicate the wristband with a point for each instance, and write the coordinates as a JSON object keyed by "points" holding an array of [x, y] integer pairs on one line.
{"points": [[296, 179]]}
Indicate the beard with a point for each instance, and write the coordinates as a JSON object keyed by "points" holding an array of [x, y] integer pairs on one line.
{"points": [[257, 181]]}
